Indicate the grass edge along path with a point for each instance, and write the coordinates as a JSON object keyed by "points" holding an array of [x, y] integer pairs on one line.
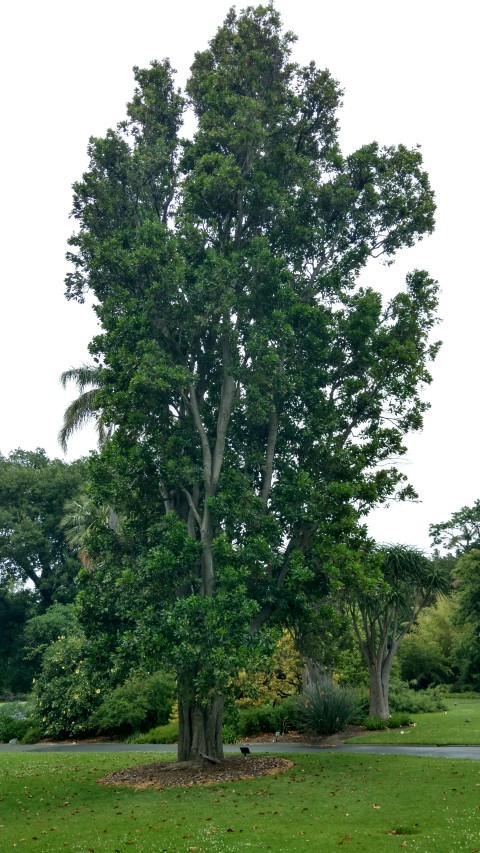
{"points": [[458, 726], [52, 802]]}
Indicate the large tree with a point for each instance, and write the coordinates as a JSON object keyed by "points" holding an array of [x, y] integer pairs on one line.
{"points": [[33, 547], [257, 392]]}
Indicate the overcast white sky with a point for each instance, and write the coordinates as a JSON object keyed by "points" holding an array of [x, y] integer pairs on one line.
{"points": [[410, 74]]}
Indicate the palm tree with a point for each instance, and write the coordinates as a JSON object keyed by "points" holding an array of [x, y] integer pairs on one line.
{"points": [[84, 408]]}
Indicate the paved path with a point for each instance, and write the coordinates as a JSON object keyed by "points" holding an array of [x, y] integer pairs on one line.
{"points": [[472, 752]]}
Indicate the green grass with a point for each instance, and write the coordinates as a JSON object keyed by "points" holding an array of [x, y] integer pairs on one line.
{"points": [[440, 728], [51, 802]]}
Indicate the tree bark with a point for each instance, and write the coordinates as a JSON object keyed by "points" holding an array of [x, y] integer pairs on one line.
{"points": [[199, 729], [313, 672], [379, 676]]}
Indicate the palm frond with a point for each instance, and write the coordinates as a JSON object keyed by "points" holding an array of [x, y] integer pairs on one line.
{"points": [[77, 414], [84, 376]]}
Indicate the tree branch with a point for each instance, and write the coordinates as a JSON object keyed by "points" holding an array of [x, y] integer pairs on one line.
{"points": [[191, 505], [227, 397], [270, 454]]}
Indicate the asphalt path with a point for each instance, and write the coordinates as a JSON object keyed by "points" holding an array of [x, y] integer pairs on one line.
{"points": [[471, 752]]}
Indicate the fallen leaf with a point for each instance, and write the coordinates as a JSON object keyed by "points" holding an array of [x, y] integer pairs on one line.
{"points": [[376, 806]]}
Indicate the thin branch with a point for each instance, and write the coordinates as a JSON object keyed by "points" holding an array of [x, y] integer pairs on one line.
{"points": [[191, 505]]}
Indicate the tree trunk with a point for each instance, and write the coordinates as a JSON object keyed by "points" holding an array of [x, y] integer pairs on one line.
{"points": [[379, 684], [313, 672], [199, 729]]}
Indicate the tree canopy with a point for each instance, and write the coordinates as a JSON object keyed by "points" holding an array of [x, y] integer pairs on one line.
{"points": [[33, 548], [257, 392], [461, 532]]}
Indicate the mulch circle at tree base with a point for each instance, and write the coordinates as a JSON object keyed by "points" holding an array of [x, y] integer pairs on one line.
{"points": [[169, 775]]}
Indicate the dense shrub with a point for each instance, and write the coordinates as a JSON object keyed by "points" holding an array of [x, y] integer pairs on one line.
{"points": [[398, 719], [64, 692], [374, 724], [229, 734], [394, 721], [15, 719], [403, 698], [160, 734], [265, 718], [137, 705], [326, 707], [32, 735]]}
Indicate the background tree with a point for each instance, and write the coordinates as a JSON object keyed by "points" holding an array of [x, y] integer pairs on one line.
{"points": [[16, 608], [467, 650], [461, 533], [426, 655], [33, 548], [385, 613], [254, 388]]}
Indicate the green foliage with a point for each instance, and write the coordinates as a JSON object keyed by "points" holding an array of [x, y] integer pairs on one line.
{"points": [[255, 391], [64, 692], [467, 650], [426, 653], [385, 610], [326, 707], [229, 734], [167, 733], [16, 608], [394, 721], [137, 705], [403, 698], [83, 408], [32, 735], [264, 718], [42, 630], [399, 718], [15, 719], [374, 723], [461, 532], [280, 676], [33, 549]]}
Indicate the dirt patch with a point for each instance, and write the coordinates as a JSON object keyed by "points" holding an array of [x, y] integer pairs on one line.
{"points": [[170, 775], [299, 738]]}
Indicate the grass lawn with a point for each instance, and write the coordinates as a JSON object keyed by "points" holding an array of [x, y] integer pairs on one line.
{"points": [[441, 728], [367, 803]]}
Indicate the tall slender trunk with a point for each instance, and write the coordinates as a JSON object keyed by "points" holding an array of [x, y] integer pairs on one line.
{"points": [[199, 726]]}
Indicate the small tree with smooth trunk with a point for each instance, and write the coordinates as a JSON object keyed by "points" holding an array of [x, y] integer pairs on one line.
{"points": [[384, 614]]}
